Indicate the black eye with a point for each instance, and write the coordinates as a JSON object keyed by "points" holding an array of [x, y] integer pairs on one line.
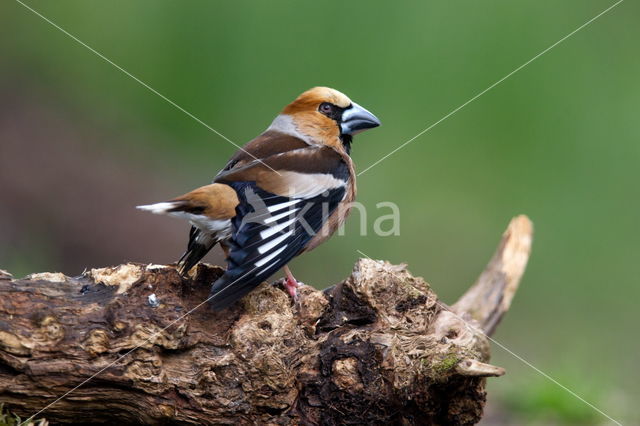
{"points": [[326, 108]]}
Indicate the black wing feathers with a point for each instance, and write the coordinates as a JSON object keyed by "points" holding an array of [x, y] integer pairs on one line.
{"points": [[262, 244], [197, 248]]}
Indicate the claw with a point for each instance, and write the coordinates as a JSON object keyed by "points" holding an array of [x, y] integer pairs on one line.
{"points": [[291, 284]]}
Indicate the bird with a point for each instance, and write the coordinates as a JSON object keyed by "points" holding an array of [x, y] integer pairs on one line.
{"points": [[280, 195]]}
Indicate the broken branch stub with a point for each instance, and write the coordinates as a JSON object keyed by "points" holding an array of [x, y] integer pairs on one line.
{"points": [[490, 297]]}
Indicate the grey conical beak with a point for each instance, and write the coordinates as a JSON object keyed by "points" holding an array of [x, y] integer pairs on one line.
{"points": [[356, 119]]}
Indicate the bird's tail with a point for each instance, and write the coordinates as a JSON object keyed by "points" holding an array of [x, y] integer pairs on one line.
{"points": [[200, 243], [166, 207], [182, 209], [210, 209]]}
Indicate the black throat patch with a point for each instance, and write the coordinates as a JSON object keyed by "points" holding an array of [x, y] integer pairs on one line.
{"points": [[346, 142]]}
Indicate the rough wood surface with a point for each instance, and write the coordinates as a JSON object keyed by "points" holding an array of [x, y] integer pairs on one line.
{"points": [[376, 348]]}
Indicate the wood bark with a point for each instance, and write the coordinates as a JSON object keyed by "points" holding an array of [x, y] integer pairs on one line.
{"points": [[135, 344]]}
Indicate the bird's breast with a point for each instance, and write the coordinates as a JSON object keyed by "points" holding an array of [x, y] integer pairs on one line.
{"points": [[339, 215]]}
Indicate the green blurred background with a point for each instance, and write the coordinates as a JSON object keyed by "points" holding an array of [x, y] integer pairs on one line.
{"points": [[81, 143]]}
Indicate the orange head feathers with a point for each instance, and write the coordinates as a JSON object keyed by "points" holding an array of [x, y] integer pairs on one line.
{"points": [[324, 116], [312, 98]]}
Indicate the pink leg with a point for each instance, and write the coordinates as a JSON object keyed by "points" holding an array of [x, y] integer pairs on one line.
{"points": [[291, 284]]}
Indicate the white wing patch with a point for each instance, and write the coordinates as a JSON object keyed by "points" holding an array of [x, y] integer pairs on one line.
{"points": [[273, 243], [271, 264], [309, 185], [275, 229], [264, 260], [281, 206], [280, 216]]}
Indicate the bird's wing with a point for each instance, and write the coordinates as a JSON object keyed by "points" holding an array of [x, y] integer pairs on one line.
{"points": [[264, 146], [284, 201]]}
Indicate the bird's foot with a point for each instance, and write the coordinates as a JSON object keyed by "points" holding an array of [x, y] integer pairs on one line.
{"points": [[291, 285]]}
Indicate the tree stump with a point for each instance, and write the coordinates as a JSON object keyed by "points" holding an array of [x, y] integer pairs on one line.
{"points": [[135, 344]]}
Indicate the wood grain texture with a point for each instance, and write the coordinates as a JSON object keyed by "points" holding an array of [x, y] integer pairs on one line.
{"points": [[377, 348]]}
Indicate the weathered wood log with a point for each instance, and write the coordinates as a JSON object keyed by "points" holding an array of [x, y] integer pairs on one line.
{"points": [[135, 344]]}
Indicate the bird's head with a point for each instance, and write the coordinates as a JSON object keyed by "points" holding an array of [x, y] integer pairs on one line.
{"points": [[325, 116]]}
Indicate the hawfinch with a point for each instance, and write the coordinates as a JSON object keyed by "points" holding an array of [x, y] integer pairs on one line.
{"points": [[282, 194]]}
